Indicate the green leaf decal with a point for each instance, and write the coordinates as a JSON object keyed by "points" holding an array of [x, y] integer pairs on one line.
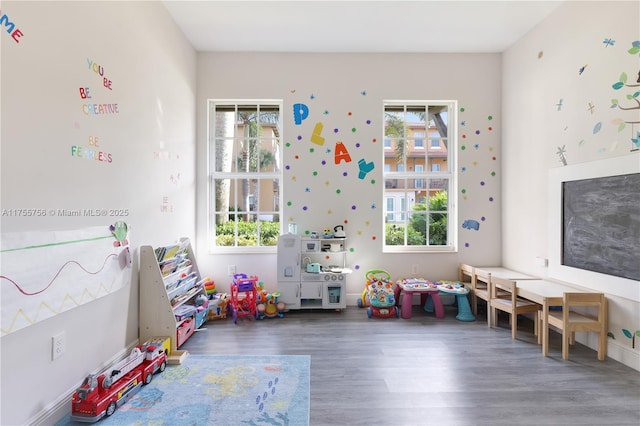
{"points": [[623, 77], [621, 127], [634, 50], [627, 333], [610, 334], [619, 85]]}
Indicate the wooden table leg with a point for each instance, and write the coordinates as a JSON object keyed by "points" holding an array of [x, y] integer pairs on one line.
{"points": [[545, 329]]}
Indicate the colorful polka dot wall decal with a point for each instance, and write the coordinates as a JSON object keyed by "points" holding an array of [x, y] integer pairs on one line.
{"points": [[463, 169], [374, 140], [464, 136], [466, 244], [490, 117], [464, 191], [540, 54], [315, 173], [297, 157], [493, 174], [481, 183], [462, 109], [357, 144], [323, 162], [299, 137], [338, 191], [349, 113], [345, 174], [462, 147], [312, 150], [288, 144], [374, 237], [353, 129], [336, 130], [373, 181], [490, 128], [353, 207], [477, 132], [287, 167], [305, 208], [368, 121], [289, 203], [491, 199]]}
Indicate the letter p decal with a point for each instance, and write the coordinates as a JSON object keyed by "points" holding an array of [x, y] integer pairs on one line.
{"points": [[300, 112]]}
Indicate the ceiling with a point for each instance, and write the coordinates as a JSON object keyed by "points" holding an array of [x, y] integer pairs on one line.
{"points": [[453, 26]]}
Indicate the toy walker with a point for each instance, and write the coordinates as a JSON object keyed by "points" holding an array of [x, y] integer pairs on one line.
{"points": [[380, 295], [243, 296]]}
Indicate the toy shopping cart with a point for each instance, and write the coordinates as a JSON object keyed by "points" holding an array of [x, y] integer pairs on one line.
{"points": [[379, 294], [243, 296]]}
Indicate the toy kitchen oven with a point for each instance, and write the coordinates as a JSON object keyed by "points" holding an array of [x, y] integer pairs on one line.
{"points": [[312, 272]]}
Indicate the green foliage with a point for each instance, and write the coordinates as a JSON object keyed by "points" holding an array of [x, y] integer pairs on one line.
{"points": [[417, 231], [394, 236], [438, 220], [247, 233]]}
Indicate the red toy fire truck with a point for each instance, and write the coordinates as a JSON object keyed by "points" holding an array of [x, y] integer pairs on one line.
{"points": [[100, 395]]}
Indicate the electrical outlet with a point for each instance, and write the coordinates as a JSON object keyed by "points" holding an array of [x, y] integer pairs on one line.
{"points": [[58, 345], [231, 270]]}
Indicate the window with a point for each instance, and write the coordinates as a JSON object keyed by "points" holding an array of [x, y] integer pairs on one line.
{"points": [[419, 213], [245, 174], [418, 140]]}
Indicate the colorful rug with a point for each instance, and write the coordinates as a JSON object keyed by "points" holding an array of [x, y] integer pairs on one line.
{"points": [[221, 390]]}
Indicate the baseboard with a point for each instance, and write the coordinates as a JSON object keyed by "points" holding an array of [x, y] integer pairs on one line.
{"points": [[615, 350], [54, 411]]}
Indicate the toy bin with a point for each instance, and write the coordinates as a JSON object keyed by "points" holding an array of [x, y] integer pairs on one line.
{"points": [[218, 306], [184, 331]]}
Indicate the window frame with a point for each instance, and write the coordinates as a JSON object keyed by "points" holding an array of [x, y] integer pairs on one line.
{"points": [[426, 175], [235, 175]]}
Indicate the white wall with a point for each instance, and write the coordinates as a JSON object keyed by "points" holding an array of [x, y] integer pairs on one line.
{"points": [[332, 86], [539, 71], [152, 145]]}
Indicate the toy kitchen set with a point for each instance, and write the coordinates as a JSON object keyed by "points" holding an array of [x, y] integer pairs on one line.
{"points": [[312, 270]]}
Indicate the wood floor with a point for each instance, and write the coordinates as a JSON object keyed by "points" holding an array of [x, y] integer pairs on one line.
{"points": [[429, 371]]}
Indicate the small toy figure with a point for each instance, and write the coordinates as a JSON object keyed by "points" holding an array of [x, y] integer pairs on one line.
{"points": [[327, 233]]}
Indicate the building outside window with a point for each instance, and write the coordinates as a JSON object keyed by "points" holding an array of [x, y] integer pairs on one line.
{"points": [[421, 182], [245, 174]]}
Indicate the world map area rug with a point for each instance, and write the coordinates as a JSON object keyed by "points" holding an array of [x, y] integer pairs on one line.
{"points": [[223, 390]]}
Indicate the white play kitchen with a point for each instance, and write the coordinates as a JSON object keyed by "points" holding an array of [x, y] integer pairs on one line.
{"points": [[312, 271]]}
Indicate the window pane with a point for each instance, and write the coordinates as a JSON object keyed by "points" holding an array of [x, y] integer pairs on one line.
{"points": [[245, 173], [417, 229], [438, 229], [419, 151]]}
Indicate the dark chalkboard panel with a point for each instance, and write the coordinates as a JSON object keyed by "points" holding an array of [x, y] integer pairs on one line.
{"points": [[601, 225]]}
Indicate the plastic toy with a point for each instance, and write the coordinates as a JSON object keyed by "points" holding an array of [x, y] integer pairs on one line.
{"points": [[327, 233], [100, 395], [269, 305], [243, 296], [380, 294], [338, 232]]}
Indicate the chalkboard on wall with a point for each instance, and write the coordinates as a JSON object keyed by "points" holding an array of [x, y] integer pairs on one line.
{"points": [[601, 225]]}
